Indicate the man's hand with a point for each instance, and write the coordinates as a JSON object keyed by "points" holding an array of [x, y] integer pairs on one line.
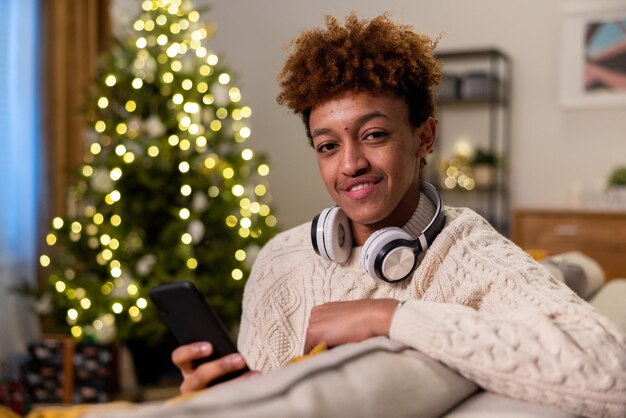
{"points": [[200, 377], [337, 323]]}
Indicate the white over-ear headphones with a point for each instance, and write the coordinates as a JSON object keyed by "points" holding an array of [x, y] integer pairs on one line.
{"points": [[389, 254]]}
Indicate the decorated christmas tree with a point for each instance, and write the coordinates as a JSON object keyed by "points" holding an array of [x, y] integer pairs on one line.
{"points": [[169, 189]]}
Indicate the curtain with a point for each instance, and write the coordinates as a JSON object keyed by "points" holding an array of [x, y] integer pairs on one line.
{"points": [[74, 32], [47, 60], [19, 137]]}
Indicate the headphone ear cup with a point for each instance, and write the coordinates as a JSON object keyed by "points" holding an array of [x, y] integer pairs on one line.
{"points": [[387, 255], [331, 236]]}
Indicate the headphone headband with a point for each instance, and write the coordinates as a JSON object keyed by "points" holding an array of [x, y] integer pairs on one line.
{"points": [[437, 223]]}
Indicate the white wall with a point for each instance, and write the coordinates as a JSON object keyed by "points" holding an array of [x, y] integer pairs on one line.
{"points": [[552, 147]]}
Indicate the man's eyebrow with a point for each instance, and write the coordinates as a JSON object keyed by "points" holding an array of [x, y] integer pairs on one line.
{"points": [[320, 131], [369, 116], [360, 121]]}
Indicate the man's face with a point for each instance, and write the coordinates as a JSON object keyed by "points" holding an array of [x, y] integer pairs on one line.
{"points": [[369, 157]]}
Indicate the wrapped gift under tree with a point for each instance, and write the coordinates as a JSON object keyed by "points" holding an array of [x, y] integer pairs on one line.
{"points": [[63, 371]]}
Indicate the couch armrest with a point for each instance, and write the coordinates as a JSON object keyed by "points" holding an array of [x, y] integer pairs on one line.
{"points": [[611, 302]]}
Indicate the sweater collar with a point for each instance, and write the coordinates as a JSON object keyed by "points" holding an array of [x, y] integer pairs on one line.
{"points": [[424, 213]]}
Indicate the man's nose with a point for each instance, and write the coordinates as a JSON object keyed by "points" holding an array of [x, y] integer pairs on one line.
{"points": [[354, 160]]}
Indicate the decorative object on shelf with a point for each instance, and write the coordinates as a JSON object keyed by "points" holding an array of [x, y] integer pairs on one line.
{"points": [[469, 86], [170, 188], [617, 178], [484, 165], [457, 171], [479, 85], [593, 64], [616, 192]]}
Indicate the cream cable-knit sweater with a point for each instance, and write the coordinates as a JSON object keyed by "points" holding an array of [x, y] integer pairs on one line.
{"points": [[477, 303]]}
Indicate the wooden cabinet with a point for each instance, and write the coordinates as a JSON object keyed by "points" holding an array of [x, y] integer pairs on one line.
{"points": [[600, 235]]}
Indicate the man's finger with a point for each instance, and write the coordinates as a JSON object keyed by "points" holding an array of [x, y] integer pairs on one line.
{"points": [[184, 355], [208, 372]]}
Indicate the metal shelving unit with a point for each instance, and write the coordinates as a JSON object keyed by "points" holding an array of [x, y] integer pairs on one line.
{"points": [[479, 113]]}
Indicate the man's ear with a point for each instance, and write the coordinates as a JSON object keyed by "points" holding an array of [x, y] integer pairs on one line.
{"points": [[427, 133]]}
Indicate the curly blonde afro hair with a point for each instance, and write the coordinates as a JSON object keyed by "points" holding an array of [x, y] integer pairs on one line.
{"points": [[362, 55]]}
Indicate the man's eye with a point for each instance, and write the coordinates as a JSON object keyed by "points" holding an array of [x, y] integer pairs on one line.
{"points": [[376, 135], [326, 147]]}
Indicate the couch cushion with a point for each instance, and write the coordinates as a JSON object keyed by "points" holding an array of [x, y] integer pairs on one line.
{"points": [[580, 272], [374, 378], [491, 405]]}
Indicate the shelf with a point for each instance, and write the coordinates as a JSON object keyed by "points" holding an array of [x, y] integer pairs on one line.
{"points": [[475, 108], [472, 102], [471, 54], [462, 191]]}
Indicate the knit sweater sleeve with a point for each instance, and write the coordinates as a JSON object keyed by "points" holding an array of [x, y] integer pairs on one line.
{"points": [[501, 320]]}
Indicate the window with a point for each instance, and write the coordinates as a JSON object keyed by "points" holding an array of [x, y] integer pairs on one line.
{"points": [[19, 166]]}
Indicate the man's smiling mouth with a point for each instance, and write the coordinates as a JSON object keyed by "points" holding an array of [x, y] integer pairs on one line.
{"points": [[360, 186]]}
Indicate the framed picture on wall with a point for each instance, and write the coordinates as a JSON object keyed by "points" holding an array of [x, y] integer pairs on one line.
{"points": [[593, 54]]}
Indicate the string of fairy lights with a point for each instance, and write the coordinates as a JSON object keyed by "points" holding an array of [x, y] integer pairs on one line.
{"points": [[162, 25]]}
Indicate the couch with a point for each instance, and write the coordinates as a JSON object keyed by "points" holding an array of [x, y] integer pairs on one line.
{"points": [[374, 378]]}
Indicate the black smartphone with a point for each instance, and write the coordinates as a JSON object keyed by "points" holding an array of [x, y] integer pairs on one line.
{"points": [[190, 318]]}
